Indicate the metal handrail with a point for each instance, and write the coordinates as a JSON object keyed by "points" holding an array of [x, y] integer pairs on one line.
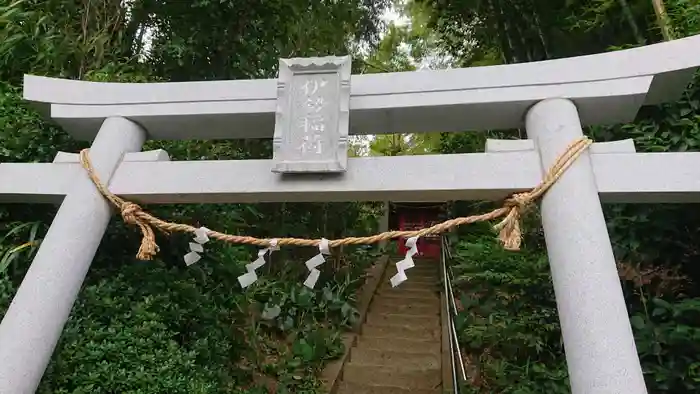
{"points": [[451, 310]]}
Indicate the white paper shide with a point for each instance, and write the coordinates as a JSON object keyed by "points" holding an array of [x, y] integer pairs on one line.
{"points": [[406, 263], [200, 238], [312, 263], [251, 276]]}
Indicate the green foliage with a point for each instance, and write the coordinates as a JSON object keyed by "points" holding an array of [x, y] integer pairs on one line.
{"points": [[24, 136], [659, 234], [668, 342], [409, 44], [508, 323], [9, 254], [509, 330], [245, 39], [404, 144], [158, 328], [483, 32], [684, 16], [406, 47], [62, 38], [18, 245], [129, 339]]}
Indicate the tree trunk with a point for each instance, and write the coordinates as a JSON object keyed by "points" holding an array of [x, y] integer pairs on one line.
{"points": [[502, 34], [662, 19], [629, 16], [527, 47], [512, 56], [540, 32]]}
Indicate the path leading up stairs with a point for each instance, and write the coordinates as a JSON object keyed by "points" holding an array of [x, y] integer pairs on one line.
{"points": [[398, 350]]}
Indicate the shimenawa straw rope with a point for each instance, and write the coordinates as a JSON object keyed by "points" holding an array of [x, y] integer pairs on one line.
{"points": [[509, 227]]}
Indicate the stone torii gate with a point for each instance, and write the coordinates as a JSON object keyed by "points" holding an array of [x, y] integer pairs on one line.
{"points": [[312, 109]]}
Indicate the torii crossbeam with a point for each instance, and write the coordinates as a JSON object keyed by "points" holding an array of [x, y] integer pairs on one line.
{"points": [[552, 99]]}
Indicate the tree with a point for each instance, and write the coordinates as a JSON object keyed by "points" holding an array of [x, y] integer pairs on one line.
{"points": [[662, 19]]}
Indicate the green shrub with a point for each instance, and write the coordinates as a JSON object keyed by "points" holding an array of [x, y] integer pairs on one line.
{"points": [[160, 327], [508, 323]]}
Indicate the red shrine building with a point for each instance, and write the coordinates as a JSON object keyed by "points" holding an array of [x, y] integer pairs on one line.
{"points": [[415, 216]]}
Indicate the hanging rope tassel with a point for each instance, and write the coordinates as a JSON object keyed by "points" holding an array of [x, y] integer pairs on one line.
{"points": [[509, 230], [148, 248]]}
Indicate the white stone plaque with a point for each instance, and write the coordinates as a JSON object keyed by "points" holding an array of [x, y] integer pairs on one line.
{"points": [[311, 125]]}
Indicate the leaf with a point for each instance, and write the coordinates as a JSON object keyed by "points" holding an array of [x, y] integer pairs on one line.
{"points": [[658, 312], [7, 258], [327, 294], [662, 303], [637, 322], [304, 350], [271, 312], [288, 323]]}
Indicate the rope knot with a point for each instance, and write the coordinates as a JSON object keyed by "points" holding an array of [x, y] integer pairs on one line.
{"points": [[510, 233], [129, 212], [520, 201]]}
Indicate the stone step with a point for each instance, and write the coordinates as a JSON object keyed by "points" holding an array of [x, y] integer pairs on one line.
{"points": [[407, 345], [418, 259], [410, 308], [354, 388], [415, 280], [424, 263], [418, 264], [396, 358], [409, 292], [414, 276], [382, 319], [420, 274], [401, 331], [407, 378], [395, 298], [433, 286], [416, 268]]}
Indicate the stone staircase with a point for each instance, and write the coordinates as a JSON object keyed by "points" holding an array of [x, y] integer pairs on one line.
{"points": [[398, 350]]}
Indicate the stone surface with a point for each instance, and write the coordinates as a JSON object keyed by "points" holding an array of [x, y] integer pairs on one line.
{"points": [[598, 342], [332, 373], [395, 357], [352, 388], [409, 308], [380, 318], [399, 347], [312, 115], [607, 88], [620, 177], [407, 345]]}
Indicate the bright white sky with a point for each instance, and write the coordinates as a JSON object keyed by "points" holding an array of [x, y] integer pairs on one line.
{"points": [[390, 15]]}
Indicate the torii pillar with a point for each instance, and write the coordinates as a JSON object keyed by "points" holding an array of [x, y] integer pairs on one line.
{"points": [[35, 319], [598, 339]]}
